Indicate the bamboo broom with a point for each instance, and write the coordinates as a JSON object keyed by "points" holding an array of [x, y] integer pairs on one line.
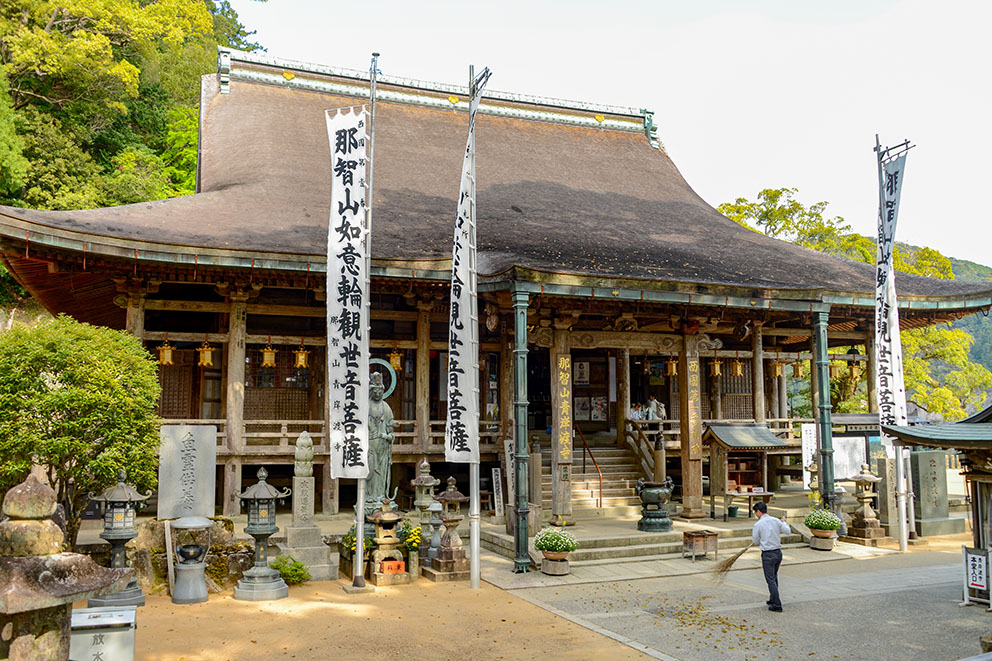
{"points": [[723, 567]]}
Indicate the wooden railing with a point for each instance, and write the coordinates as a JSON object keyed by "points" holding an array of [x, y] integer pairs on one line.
{"points": [[643, 448], [595, 463]]}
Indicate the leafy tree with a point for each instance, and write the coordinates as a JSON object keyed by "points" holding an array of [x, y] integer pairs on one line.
{"points": [[137, 174], [13, 165], [181, 139], [939, 375], [228, 30], [83, 399], [60, 174]]}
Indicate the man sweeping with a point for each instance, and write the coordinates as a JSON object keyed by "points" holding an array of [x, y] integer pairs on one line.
{"points": [[767, 535]]}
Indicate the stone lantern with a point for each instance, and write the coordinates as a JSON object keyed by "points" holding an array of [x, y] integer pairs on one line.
{"points": [[261, 582], [435, 513], [39, 582], [388, 567], [450, 563], [424, 485], [192, 544], [865, 524], [119, 504]]}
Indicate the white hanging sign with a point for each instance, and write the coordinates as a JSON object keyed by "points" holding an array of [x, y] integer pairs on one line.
{"points": [[461, 431], [347, 295], [888, 346]]}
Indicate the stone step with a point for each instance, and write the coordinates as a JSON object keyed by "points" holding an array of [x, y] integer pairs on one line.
{"points": [[593, 483], [592, 503], [625, 458], [728, 546]]}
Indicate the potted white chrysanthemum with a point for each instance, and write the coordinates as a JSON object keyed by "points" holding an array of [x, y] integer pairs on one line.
{"points": [[555, 543], [822, 523]]}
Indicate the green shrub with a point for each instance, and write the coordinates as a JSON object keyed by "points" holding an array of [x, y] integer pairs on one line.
{"points": [[292, 571]]}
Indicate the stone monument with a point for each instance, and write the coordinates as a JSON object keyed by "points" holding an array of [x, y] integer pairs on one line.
{"points": [[304, 541], [380, 445], [930, 486], [187, 471], [888, 511], [38, 583]]}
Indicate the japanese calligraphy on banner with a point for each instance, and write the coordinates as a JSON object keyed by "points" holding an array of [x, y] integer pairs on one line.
{"points": [[563, 426], [888, 346], [461, 431], [347, 296]]}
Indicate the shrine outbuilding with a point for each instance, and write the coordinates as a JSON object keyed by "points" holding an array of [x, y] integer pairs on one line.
{"points": [[603, 279]]}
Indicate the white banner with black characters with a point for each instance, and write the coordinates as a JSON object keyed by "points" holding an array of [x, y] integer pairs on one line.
{"points": [[888, 345], [347, 298], [461, 432]]}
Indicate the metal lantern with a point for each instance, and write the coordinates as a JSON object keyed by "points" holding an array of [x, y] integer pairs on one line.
{"points": [[834, 371], [672, 367], [797, 369], [396, 360], [268, 356], [206, 355], [165, 353], [261, 582], [301, 358], [853, 367], [737, 368], [776, 368], [119, 504], [715, 365]]}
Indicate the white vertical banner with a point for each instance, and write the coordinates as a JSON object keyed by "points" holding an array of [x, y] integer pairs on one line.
{"points": [[347, 297], [461, 431], [890, 385]]}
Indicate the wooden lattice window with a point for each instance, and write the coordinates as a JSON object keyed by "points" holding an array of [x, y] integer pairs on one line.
{"points": [[176, 380]]}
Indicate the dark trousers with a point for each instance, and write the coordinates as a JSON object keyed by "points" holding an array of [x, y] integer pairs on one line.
{"points": [[770, 561]]}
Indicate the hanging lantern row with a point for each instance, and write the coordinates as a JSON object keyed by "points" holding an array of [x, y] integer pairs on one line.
{"points": [[301, 357]]}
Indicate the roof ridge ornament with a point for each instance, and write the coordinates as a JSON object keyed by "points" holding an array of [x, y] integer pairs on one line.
{"points": [[650, 129], [224, 70]]}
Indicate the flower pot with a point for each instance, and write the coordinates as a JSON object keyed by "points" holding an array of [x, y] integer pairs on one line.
{"points": [[824, 534], [555, 555]]}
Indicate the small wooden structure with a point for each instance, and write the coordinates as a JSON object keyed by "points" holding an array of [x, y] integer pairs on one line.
{"points": [[699, 542], [739, 462]]}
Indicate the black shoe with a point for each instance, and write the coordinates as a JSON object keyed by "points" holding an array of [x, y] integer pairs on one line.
{"points": [[768, 603], [775, 609]]}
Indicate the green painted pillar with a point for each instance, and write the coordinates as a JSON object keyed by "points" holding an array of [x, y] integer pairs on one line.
{"points": [[821, 359], [521, 563]]}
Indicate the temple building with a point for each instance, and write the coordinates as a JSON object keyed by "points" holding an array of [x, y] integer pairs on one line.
{"points": [[603, 279]]}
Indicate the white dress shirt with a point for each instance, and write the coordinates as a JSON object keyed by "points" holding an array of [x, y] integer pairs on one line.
{"points": [[768, 532]]}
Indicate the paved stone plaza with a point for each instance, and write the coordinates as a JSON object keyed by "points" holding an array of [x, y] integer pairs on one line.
{"points": [[846, 604]]}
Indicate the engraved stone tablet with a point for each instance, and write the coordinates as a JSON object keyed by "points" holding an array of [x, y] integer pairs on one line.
{"points": [[187, 471]]}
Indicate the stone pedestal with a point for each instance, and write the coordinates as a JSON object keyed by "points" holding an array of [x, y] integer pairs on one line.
{"points": [[452, 564], [190, 587], [554, 567], [821, 543], [930, 484], [307, 546], [260, 584]]}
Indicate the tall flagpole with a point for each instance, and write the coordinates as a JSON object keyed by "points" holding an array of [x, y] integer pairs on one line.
{"points": [[473, 468], [358, 563]]}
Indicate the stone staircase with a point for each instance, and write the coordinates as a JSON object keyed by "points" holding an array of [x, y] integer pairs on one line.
{"points": [[620, 475], [634, 547]]}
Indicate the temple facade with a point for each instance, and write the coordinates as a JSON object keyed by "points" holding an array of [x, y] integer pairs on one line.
{"points": [[603, 280]]}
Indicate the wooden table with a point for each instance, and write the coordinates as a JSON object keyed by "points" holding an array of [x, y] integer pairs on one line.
{"points": [[752, 496], [699, 541]]}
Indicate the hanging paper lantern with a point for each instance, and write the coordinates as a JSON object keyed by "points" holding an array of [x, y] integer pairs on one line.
{"points": [[396, 360], [301, 358], [737, 368], [268, 356], [672, 367], [206, 355], [165, 353], [715, 367]]}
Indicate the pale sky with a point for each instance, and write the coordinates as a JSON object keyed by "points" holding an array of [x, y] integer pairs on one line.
{"points": [[747, 94]]}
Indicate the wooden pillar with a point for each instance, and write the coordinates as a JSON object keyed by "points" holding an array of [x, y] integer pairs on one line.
{"points": [[691, 428], [235, 422], [773, 382], [506, 388], [135, 320], [716, 397], [757, 373], [623, 395], [783, 396], [872, 372], [423, 358], [561, 427]]}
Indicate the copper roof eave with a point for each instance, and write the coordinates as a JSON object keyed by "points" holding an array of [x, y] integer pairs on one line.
{"points": [[26, 232]]}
